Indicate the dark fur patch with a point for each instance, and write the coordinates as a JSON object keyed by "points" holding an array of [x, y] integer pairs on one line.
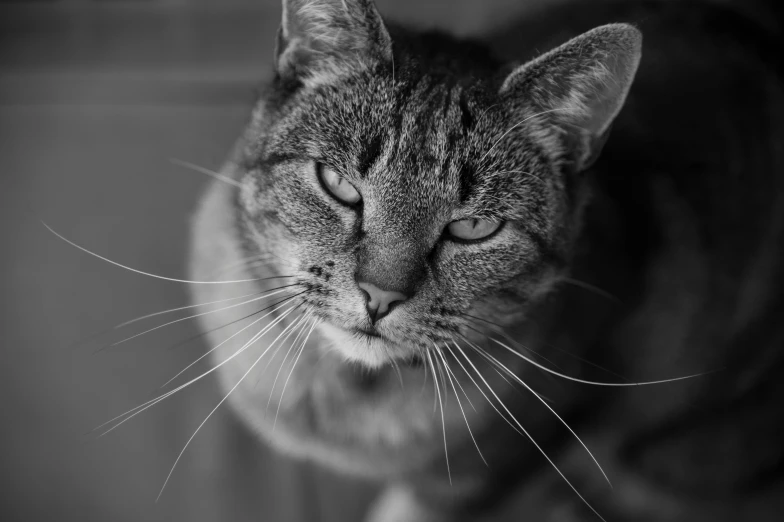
{"points": [[369, 154]]}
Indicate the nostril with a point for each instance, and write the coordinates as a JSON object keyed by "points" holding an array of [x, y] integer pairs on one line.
{"points": [[394, 304]]}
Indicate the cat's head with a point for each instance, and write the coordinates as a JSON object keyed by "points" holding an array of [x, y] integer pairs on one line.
{"points": [[406, 182]]}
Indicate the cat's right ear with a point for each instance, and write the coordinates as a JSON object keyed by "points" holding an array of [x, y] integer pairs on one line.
{"points": [[573, 93], [319, 40]]}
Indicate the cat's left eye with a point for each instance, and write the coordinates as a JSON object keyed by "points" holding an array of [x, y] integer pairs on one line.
{"points": [[472, 229], [337, 186]]}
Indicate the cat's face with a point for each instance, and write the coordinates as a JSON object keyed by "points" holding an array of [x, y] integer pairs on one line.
{"points": [[405, 189], [395, 183]]}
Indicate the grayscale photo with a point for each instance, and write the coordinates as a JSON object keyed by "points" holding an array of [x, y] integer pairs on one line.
{"points": [[392, 260]]}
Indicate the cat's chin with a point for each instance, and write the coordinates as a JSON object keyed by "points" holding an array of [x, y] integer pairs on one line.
{"points": [[367, 349]]}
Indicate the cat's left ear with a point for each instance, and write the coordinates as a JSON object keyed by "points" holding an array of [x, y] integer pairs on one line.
{"points": [[321, 39], [573, 93]]}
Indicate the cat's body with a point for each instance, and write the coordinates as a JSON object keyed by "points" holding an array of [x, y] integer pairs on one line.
{"points": [[680, 221]]}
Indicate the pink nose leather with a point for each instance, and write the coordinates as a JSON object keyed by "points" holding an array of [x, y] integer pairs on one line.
{"points": [[379, 300]]}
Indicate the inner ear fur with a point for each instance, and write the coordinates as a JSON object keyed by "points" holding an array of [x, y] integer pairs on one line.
{"points": [[576, 90]]}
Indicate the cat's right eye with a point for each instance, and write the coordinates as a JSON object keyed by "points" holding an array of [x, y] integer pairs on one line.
{"points": [[336, 186], [472, 229]]}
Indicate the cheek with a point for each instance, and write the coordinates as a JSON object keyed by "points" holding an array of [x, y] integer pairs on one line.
{"points": [[470, 271], [309, 215]]}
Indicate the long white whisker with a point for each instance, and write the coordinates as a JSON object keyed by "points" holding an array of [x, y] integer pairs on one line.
{"points": [[115, 263], [212, 174], [207, 418], [443, 422], [465, 370], [286, 331], [435, 384], [446, 346], [242, 266], [253, 262], [299, 328], [132, 321], [302, 349], [490, 357], [592, 288], [457, 397], [211, 350], [280, 368], [397, 370], [501, 403], [162, 312], [142, 407], [498, 329], [240, 262], [424, 381], [612, 384], [149, 404], [443, 380], [200, 314]]}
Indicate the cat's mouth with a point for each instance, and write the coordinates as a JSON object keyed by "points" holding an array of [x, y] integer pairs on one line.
{"points": [[369, 346], [370, 332], [414, 361]]}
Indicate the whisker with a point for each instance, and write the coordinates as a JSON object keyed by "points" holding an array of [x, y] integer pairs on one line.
{"points": [[256, 261], [489, 357], [424, 381], [435, 384], [165, 482], [490, 389], [465, 370], [162, 312], [211, 350], [280, 368], [144, 406], [206, 332], [443, 422], [611, 384], [499, 329], [397, 370], [149, 404], [242, 265], [302, 349], [287, 332], [300, 327], [592, 288], [200, 314], [212, 174], [449, 374], [443, 379], [458, 382], [115, 263]]}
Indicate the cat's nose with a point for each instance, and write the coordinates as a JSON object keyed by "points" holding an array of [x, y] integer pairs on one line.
{"points": [[379, 301]]}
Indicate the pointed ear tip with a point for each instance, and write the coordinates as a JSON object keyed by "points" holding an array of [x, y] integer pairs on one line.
{"points": [[627, 35]]}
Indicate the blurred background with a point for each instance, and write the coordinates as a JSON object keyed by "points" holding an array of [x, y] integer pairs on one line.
{"points": [[96, 96]]}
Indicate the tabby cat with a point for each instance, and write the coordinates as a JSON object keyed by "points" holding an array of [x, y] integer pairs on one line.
{"points": [[447, 288]]}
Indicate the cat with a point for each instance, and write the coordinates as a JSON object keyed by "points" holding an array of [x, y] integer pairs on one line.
{"points": [[459, 274]]}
